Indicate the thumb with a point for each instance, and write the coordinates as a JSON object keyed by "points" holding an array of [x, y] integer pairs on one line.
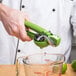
{"points": [[26, 17]]}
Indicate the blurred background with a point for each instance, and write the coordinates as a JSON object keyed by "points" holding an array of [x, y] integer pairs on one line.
{"points": [[73, 52]]}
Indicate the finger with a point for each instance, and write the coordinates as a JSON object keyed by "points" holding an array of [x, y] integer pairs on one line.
{"points": [[23, 34], [8, 29], [10, 32], [14, 30]]}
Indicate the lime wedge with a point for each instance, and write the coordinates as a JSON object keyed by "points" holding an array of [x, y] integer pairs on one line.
{"points": [[64, 68], [73, 64]]}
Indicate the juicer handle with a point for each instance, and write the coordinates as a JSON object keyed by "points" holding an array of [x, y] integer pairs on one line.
{"points": [[31, 34], [36, 28]]}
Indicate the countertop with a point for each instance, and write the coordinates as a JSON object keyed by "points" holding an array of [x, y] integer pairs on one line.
{"points": [[10, 70]]}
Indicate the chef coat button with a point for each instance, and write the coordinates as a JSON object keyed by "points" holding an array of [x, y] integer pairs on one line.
{"points": [[19, 50], [53, 10], [23, 6]]}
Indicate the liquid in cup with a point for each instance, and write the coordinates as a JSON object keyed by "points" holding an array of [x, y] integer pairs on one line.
{"points": [[43, 64]]}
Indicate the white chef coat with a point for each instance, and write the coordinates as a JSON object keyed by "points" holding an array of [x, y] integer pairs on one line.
{"points": [[52, 15]]}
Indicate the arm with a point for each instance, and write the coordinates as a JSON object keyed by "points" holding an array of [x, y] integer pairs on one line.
{"points": [[13, 21]]}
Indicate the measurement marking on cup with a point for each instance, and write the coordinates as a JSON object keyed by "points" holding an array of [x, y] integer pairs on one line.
{"points": [[48, 73], [39, 73], [47, 60]]}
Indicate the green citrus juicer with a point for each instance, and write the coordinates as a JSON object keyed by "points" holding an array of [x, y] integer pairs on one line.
{"points": [[41, 36]]}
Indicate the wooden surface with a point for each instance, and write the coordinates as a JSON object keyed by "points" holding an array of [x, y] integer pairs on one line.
{"points": [[10, 70]]}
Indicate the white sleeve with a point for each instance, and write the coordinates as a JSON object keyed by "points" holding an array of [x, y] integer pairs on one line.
{"points": [[73, 19]]}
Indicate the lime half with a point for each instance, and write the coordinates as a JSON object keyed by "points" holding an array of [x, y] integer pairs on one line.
{"points": [[73, 64], [64, 68]]}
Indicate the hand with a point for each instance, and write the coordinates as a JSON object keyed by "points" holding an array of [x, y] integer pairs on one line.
{"points": [[13, 21]]}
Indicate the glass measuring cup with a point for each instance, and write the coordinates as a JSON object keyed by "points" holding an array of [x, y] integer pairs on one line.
{"points": [[42, 64]]}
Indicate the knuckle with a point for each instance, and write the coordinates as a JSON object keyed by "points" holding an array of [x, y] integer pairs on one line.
{"points": [[23, 39], [11, 34]]}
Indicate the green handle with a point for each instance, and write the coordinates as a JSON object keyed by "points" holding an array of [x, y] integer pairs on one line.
{"points": [[31, 34], [55, 39], [36, 28]]}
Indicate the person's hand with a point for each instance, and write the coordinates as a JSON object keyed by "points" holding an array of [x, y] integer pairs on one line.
{"points": [[13, 21]]}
